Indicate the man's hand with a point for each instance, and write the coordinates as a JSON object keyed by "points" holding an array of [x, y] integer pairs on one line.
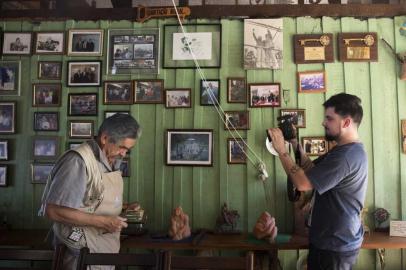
{"points": [[278, 141], [114, 223]]}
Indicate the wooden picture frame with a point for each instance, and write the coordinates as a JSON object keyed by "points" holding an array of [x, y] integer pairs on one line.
{"points": [[49, 70], [312, 81], [3, 176], [148, 91], [264, 95], [4, 149], [45, 147], [17, 43], [313, 48], [236, 151], [46, 121], [189, 147], [210, 92], [84, 73], [237, 120], [46, 95], [10, 72], [81, 129], [8, 114], [82, 104], [118, 92], [178, 98], [358, 47], [300, 116], [40, 172], [314, 146], [49, 43], [85, 42], [236, 90]]}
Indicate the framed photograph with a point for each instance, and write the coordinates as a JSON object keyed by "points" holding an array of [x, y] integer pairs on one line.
{"points": [[265, 95], [10, 78], [73, 145], [125, 167], [314, 146], [236, 90], [46, 121], [7, 117], [17, 43], [236, 151], [49, 43], [358, 47], [133, 51], [45, 147], [118, 92], [313, 48], [40, 172], [299, 114], [81, 129], [148, 91], [311, 82], [263, 43], [178, 98], [237, 120], [3, 176], [46, 95], [201, 41], [3, 149], [189, 147], [49, 70], [82, 42], [107, 114], [82, 104], [209, 92], [84, 73]]}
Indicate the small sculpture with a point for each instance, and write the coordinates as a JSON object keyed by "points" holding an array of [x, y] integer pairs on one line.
{"points": [[227, 220], [265, 227], [381, 216], [179, 224]]}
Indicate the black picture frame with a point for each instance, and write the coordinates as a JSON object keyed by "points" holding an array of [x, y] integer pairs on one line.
{"points": [[84, 73], [46, 121], [210, 92], [8, 114], [81, 129], [10, 72], [40, 172], [118, 92], [4, 149], [82, 104], [3, 175], [49, 70], [45, 147]]}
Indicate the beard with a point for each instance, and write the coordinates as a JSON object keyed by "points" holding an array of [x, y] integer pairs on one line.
{"points": [[331, 137]]}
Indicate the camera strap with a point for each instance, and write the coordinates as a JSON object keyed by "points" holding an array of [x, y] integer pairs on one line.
{"points": [[293, 193]]}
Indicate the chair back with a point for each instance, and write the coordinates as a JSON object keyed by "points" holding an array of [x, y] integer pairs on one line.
{"points": [[216, 262], [151, 260]]}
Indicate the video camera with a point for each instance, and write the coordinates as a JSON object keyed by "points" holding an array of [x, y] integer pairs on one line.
{"points": [[285, 123]]}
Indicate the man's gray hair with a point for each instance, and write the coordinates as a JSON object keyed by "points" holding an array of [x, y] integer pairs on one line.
{"points": [[119, 127]]}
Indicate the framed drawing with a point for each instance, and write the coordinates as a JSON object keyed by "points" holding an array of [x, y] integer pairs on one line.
{"points": [[300, 116], [83, 42], [201, 41], [10, 78], [82, 104], [189, 147], [125, 167], [49, 70], [311, 81], [209, 92], [3, 149], [236, 90], [178, 98], [80, 129], [314, 146], [148, 91], [264, 95], [237, 120], [3, 176], [46, 95], [40, 172], [118, 92], [132, 51], [356, 47], [45, 147], [7, 117], [107, 114], [46, 121], [84, 73], [263, 43], [236, 151], [17, 43], [49, 43], [313, 48]]}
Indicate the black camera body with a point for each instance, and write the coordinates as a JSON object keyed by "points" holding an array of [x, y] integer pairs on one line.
{"points": [[285, 124]]}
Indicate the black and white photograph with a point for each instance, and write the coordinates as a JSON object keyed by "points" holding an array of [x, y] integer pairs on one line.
{"points": [[263, 43], [210, 92], [189, 147], [236, 120], [125, 167], [49, 70], [311, 82], [264, 95], [17, 43], [83, 104], [236, 151], [84, 73], [107, 114], [236, 90], [178, 98], [40, 172], [45, 147], [10, 78], [148, 91], [7, 117], [3, 175], [46, 95], [82, 42], [49, 43], [3, 149], [118, 92], [123, 51], [81, 129], [46, 121]]}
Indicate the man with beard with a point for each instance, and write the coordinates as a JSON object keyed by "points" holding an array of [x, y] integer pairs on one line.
{"points": [[339, 183], [83, 195]]}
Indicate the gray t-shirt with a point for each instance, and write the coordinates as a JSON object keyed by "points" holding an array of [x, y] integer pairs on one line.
{"points": [[340, 181]]}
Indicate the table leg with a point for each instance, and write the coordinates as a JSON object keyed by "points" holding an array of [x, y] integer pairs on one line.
{"points": [[381, 253]]}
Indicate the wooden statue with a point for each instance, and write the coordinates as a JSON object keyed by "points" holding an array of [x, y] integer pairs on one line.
{"points": [[265, 228], [227, 220], [179, 224]]}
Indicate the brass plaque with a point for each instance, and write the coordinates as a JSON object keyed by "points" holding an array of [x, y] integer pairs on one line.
{"points": [[314, 53], [358, 53]]}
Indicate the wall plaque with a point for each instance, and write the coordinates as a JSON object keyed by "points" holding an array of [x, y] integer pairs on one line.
{"points": [[314, 48], [358, 47]]}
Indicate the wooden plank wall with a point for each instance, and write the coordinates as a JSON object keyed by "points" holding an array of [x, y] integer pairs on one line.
{"points": [[200, 190]]}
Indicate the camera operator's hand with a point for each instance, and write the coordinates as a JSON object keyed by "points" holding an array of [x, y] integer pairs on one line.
{"points": [[278, 141]]}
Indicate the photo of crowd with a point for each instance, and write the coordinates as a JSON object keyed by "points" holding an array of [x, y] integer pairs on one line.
{"points": [[177, 98], [82, 104], [148, 91], [116, 92], [265, 95]]}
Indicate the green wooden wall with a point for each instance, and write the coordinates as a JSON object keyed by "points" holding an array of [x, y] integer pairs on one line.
{"points": [[202, 190]]}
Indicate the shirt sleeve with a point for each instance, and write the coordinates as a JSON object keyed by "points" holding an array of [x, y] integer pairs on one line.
{"points": [[329, 172], [68, 181]]}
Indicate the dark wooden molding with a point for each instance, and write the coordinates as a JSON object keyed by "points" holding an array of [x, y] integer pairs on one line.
{"points": [[213, 12]]}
